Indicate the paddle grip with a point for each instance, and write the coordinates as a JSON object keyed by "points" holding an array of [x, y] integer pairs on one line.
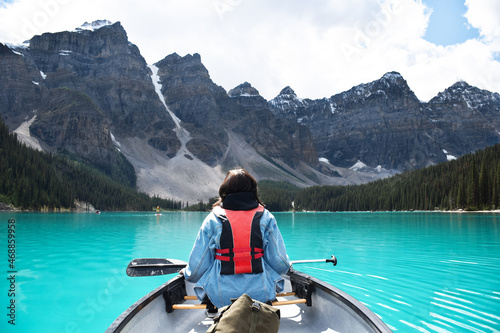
{"points": [[333, 260]]}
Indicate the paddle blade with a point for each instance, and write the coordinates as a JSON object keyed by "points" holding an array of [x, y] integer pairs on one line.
{"points": [[154, 266]]}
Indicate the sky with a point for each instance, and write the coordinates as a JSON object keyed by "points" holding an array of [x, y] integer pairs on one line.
{"points": [[319, 48]]}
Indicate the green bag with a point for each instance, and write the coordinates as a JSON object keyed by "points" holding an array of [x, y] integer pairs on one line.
{"points": [[247, 315]]}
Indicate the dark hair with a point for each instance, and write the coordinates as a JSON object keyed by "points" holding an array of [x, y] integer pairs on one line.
{"points": [[237, 180]]}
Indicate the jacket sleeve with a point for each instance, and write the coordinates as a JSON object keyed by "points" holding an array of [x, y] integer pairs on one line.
{"points": [[201, 257], [274, 246]]}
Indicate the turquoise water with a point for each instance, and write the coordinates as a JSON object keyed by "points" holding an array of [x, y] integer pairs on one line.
{"points": [[420, 272]]}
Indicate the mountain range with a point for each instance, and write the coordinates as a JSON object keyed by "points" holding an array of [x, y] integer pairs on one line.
{"points": [[90, 94]]}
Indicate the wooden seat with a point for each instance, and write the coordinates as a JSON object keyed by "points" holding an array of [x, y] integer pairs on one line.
{"points": [[204, 306]]}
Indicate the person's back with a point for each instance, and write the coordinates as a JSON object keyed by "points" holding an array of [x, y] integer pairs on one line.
{"points": [[239, 248]]}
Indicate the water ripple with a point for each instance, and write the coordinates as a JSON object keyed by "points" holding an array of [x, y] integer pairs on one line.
{"points": [[457, 323], [387, 307], [418, 328], [400, 302], [436, 328], [453, 297], [466, 313]]}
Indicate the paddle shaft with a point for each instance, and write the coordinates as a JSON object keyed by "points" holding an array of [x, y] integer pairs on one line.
{"points": [[333, 260], [307, 261], [160, 266]]}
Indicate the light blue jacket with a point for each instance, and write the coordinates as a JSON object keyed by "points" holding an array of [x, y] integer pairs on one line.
{"points": [[203, 269]]}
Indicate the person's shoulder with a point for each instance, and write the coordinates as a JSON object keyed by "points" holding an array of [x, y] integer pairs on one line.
{"points": [[210, 220], [267, 216], [266, 211], [210, 225], [217, 210]]}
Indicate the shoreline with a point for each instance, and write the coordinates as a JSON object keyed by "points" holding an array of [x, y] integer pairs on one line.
{"points": [[9, 208], [465, 211]]}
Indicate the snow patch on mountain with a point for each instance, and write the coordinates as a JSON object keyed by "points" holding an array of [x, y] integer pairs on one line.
{"points": [[324, 160], [115, 142], [96, 25], [358, 165], [182, 134], [246, 95], [333, 108], [18, 46], [16, 52], [448, 156]]}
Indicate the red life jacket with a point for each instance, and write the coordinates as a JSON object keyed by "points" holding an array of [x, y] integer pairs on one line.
{"points": [[241, 241]]}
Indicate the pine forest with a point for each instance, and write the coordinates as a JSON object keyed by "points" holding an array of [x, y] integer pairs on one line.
{"points": [[33, 180]]}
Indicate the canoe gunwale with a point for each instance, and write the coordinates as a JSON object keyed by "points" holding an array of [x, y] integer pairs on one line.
{"points": [[359, 308], [119, 324]]}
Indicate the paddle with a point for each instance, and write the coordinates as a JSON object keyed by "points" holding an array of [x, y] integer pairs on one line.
{"points": [[333, 260], [160, 266], [154, 266]]}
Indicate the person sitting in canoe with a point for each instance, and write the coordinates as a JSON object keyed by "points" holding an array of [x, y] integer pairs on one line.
{"points": [[239, 248]]}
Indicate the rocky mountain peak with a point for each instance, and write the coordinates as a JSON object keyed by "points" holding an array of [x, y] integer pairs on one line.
{"points": [[189, 66], [388, 86], [287, 91], [96, 25], [390, 91], [193, 59], [108, 40], [287, 102], [462, 92], [243, 90], [457, 89], [460, 85], [4, 49], [393, 78]]}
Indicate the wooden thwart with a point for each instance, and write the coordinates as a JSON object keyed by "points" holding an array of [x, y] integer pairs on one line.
{"points": [[194, 298], [188, 306], [204, 306], [190, 298], [292, 301]]}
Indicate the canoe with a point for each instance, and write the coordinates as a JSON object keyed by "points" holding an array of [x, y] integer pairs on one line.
{"points": [[316, 306]]}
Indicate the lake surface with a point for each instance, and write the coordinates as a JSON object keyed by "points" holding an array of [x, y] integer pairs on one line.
{"points": [[420, 272]]}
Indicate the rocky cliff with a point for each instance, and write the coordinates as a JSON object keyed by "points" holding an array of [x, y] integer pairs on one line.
{"points": [[90, 94], [211, 116], [83, 86]]}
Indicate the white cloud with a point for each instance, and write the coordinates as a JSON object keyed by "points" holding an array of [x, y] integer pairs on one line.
{"points": [[484, 15], [318, 48]]}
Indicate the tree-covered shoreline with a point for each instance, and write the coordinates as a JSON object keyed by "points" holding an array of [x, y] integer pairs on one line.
{"points": [[470, 183], [33, 180]]}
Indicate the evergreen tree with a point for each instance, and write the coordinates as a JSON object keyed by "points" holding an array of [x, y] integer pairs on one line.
{"points": [[483, 188]]}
